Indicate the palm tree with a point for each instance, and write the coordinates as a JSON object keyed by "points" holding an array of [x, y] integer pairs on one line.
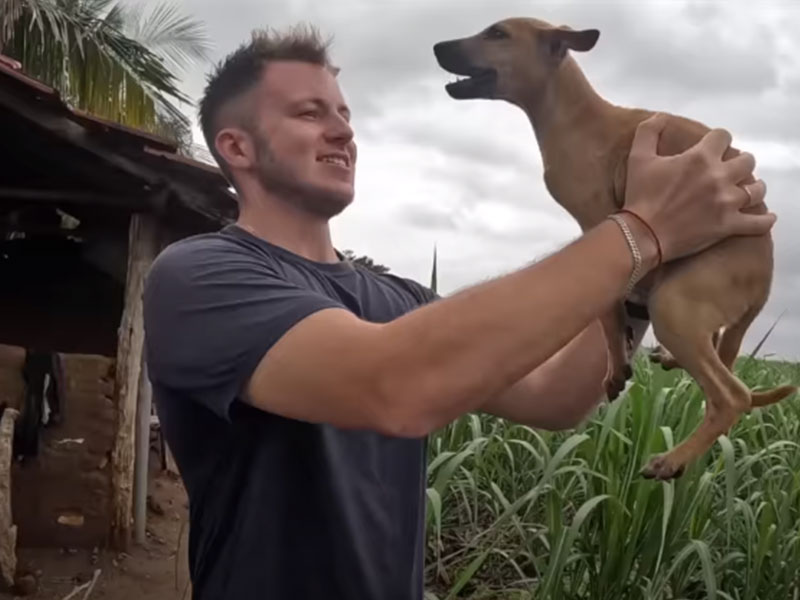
{"points": [[107, 58]]}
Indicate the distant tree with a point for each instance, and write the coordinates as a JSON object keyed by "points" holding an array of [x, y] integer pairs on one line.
{"points": [[365, 261]]}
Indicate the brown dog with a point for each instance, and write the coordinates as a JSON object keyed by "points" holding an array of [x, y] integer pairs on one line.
{"points": [[700, 307]]}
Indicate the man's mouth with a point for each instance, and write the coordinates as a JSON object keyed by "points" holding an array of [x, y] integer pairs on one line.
{"points": [[340, 160]]}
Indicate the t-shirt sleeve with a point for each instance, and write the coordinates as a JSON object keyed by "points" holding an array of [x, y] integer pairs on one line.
{"points": [[422, 293], [210, 315]]}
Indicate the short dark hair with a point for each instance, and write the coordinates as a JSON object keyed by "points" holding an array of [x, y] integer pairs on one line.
{"points": [[238, 72]]}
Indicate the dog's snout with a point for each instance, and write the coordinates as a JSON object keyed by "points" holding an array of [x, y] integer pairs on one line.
{"points": [[441, 49], [449, 53]]}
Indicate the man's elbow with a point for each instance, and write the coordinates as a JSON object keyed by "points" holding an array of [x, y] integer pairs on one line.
{"points": [[404, 411], [401, 421], [569, 416], [563, 422]]}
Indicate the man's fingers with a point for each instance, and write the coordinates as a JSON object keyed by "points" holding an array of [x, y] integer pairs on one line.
{"points": [[754, 193], [740, 167], [746, 224], [716, 141], [648, 132]]}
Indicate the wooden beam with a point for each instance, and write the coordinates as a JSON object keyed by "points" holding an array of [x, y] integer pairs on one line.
{"points": [[143, 245], [139, 202], [141, 467]]}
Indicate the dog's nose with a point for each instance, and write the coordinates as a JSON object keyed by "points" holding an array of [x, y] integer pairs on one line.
{"points": [[441, 48]]}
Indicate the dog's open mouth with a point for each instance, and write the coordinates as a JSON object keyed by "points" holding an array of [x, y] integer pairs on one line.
{"points": [[473, 82], [476, 83]]}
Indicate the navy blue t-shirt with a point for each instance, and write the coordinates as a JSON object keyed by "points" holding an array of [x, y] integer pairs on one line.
{"points": [[279, 509]]}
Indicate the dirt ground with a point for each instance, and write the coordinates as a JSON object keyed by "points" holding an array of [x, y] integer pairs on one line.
{"points": [[156, 570]]}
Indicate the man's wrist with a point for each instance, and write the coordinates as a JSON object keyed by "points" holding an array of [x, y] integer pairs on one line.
{"points": [[642, 246], [648, 245]]}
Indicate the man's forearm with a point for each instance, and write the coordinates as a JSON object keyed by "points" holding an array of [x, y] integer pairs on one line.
{"points": [[566, 388], [448, 357]]}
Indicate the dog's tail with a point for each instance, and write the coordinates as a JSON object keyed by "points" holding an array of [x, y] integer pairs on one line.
{"points": [[772, 396]]}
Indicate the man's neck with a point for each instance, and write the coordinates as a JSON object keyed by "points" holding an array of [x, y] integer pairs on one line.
{"points": [[285, 225]]}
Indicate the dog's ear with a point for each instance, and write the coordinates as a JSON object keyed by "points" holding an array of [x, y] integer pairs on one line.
{"points": [[558, 41]]}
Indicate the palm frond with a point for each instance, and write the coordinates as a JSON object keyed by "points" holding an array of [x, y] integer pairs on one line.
{"points": [[80, 47], [10, 12], [97, 8], [179, 38], [114, 19]]}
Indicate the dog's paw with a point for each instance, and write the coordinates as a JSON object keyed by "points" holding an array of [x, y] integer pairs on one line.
{"points": [[615, 382], [662, 468], [662, 356]]}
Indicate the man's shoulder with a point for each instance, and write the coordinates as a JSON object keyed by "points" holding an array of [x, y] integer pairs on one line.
{"points": [[202, 254], [199, 248], [421, 292]]}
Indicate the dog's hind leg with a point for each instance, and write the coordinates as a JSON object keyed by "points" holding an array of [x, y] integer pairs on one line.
{"points": [[686, 329], [731, 340], [729, 346]]}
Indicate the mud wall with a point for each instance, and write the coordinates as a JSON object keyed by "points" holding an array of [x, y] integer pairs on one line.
{"points": [[61, 498]]}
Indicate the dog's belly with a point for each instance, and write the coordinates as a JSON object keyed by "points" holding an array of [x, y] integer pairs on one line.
{"points": [[729, 279]]}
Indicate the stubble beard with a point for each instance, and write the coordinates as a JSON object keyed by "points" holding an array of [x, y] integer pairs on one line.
{"points": [[275, 177]]}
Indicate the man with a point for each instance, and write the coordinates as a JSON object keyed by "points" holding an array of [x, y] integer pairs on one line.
{"points": [[297, 390]]}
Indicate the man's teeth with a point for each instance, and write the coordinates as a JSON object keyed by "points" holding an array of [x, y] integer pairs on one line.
{"points": [[334, 160]]}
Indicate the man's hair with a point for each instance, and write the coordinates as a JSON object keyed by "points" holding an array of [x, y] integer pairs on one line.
{"points": [[241, 70]]}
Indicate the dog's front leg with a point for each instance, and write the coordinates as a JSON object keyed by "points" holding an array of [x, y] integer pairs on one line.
{"points": [[619, 368]]}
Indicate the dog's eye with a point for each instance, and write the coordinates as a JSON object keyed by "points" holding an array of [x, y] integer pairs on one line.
{"points": [[495, 33]]}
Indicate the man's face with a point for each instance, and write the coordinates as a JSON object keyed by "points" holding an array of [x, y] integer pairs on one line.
{"points": [[305, 148]]}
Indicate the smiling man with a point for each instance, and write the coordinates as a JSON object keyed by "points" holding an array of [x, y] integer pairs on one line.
{"points": [[297, 390]]}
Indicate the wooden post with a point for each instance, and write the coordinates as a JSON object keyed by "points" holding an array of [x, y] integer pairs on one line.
{"points": [[8, 531], [143, 412], [142, 249]]}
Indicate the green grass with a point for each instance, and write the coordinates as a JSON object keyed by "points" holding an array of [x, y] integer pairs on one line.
{"points": [[519, 513]]}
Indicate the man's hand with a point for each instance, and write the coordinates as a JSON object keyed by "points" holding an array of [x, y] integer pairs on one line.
{"points": [[694, 199]]}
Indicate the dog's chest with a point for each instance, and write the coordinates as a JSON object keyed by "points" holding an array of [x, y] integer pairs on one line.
{"points": [[583, 184]]}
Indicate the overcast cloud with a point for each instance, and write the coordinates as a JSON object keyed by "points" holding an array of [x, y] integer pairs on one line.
{"points": [[467, 176]]}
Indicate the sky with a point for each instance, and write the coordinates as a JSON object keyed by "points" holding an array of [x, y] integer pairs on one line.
{"points": [[466, 177]]}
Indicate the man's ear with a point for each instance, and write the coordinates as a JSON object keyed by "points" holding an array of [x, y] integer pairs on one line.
{"points": [[235, 147], [564, 38]]}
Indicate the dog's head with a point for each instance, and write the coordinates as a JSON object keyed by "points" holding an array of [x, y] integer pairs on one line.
{"points": [[510, 59]]}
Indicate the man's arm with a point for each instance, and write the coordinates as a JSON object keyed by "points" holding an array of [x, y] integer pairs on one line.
{"points": [[416, 373], [564, 390]]}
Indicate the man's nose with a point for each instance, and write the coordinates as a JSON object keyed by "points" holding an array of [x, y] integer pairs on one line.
{"points": [[340, 130]]}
